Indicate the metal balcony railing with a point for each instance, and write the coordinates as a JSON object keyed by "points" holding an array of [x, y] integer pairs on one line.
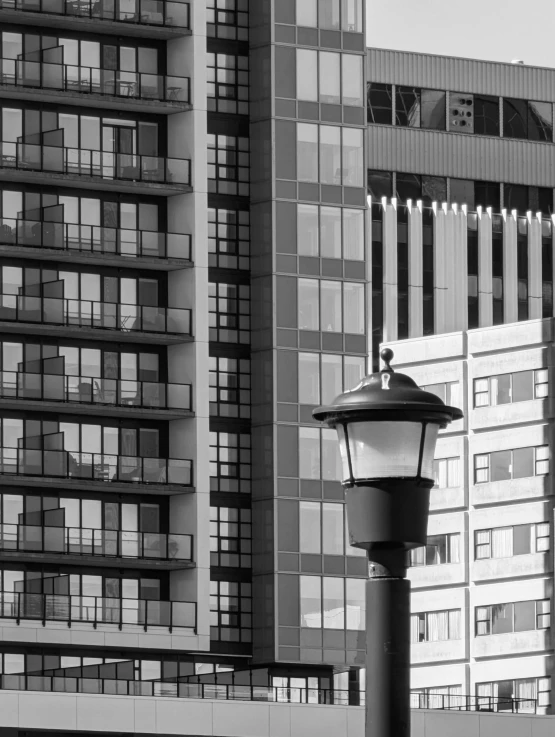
{"points": [[92, 80], [95, 542], [74, 465], [461, 702], [102, 164], [97, 610], [164, 13], [94, 239], [87, 314], [87, 390]]}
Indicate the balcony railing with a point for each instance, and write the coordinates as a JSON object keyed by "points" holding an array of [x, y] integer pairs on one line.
{"points": [[165, 13], [66, 464], [94, 542], [92, 80], [87, 390], [102, 315], [94, 239], [461, 702], [102, 164], [97, 610]]}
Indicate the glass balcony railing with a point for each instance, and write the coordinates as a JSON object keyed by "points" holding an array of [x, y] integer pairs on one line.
{"points": [[97, 610], [103, 543], [106, 467], [164, 13], [101, 164], [94, 239], [88, 390], [91, 80], [101, 315]]}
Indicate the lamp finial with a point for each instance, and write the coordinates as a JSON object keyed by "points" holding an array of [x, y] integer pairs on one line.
{"points": [[386, 355]]}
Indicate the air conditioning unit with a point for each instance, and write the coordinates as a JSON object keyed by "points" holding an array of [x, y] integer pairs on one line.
{"points": [[461, 112]]}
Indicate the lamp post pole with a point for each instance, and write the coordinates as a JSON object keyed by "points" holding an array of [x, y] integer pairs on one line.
{"points": [[387, 429]]}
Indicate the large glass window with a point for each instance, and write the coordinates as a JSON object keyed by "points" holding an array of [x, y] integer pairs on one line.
{"points": [[330, 155], [332, 529], [328, 14], [310, 521], [307, 152], [307, 75], [307, 230], [307, 13], [339, 233], [309, 308], [309, 452], [351, 16], [334, 373], [379, 103], [341, 306], [439, 550], [504, 542], [503, 465], [352, 80], [508, 388], [520, 616], [353, 157], [330, 77], [520, 695], [435, 626], [311, 601], [447, 473], [528, 120]]}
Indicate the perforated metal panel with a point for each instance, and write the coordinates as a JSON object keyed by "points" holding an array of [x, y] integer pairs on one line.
{"points": [[461, 112]]}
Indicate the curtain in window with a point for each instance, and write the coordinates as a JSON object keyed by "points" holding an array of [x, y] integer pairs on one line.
{"points": [[418, 556], [438, 626], [527, 691], [454, 548], [414, 628], [502, 542], [455, 625], [453, 472]]}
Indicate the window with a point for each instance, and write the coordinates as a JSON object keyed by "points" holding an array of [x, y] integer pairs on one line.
{"points": [[446, 473], [327, 14], [435, 626], [323, 376], [228, 238], [504, 542], [528, 120], [329, 77], [230, 387], [229, 312], [380, 184], [230, 462], [321, 528], [379, 100], [341, 155], [439, 550], [486, 115], [319, 454], [331, 306], [227, 86], [500, 695], [437, 697], [520, 616], [228, 165], [449, 392], [230, 611], [307, 152], [511, 464], [227, 19], [230, 537], [415, 108], [521, 386], [333, 603], [330, 232]]}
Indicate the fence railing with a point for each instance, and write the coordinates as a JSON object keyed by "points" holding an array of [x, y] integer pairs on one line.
{"points": [[92, 80], [85, 313], [92, 541], [93, 163], [94, 239], [461, 702], [95, 466], [170, 13], [97, 610], [87, 390]]}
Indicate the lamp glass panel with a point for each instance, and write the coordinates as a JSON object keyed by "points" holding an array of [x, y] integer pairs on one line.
{"points": [[384, 449], [428, 451]]}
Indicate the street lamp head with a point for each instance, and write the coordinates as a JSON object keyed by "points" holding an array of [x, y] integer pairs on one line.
{"points": [[387, 429]]}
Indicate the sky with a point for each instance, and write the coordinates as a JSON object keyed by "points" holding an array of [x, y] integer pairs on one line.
{"points": [[496, 30]]}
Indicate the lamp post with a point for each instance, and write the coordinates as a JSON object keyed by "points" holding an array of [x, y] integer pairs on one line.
{"points": [[387, 430]]}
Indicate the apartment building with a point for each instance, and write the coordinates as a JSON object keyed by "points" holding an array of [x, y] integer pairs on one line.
{"points": [[461, 181]]}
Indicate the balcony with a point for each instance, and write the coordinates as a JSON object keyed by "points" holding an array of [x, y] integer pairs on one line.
{"points": [[97, 610], [82, 546], [65, 469], [83, 318], [101, 170], [87, 244], [149, 18], [91, 86], [104, 397]]}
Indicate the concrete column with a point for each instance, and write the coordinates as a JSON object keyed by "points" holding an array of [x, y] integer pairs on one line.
{"points": [[485, 290], [390, 291], [460, 271], [534, 266], [416, 307], [441, 306], [510, 273]]}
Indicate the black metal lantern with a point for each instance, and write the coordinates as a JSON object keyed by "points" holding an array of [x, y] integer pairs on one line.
{"points": [[387, 430]]}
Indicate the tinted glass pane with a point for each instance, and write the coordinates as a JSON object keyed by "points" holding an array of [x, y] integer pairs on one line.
{"points": [[525, 616], [409, 186], [501, 618], [379, 100], [462, 192], [516, 197], [432, 109], [486, 115], [500, 465], [407, 107], [515, 118], [380, 184], [540, 121], [501, 389], [434, 189], [522, 539], [523, 386], [487, 194], [523, 463]]}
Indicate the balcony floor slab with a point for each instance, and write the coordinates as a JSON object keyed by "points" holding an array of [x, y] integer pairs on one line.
{"points": [[74, 331], [96, 561], [74, 256], [96, 410], [76, 484]]}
